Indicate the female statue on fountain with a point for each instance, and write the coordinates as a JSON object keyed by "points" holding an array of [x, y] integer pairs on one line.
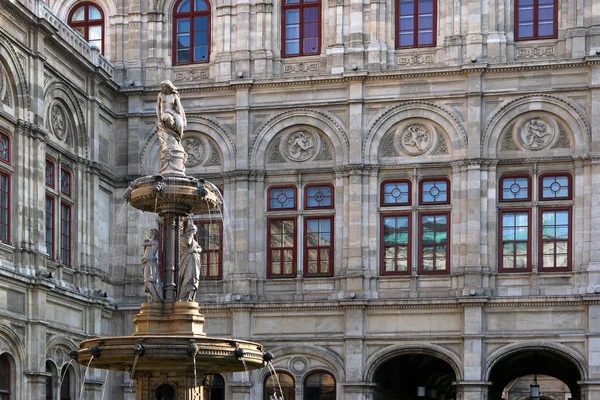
{"points": [[150, 266], [189, 268], [169, 110]]}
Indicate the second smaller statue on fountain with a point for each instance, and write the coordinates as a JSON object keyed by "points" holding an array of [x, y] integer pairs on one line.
{"points": [[189, 267], [150, 266]]}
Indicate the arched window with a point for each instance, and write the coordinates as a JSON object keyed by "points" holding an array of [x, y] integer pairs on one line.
{"points": [[88, 20], [214, 387], [50, 381], [301, 33], [191, 32], [319, 386], [5, 178], [272, 386], [65, 385], [4, 378]]}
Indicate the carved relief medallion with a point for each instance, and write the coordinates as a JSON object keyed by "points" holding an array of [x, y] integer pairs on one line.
{"points": [[536, 133], [195, 150], [415, 138], [58, 121], [299, 145]]}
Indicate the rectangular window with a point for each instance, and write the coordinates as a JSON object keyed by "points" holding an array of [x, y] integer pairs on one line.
{"points": [[434, 191], [65, 233], [555, 187], [536, 19], [396, 193], [318, 246], [281, 248], [434, 242], [65, 182], [210, 238], [515, 188], [515, 241], [49, 174], [318, 196], [50, 227], [301, 32], [396, 244], [281, 198], [4, 207], [416, 23], [555, 239]]}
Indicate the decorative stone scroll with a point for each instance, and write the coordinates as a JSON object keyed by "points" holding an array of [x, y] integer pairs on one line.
{"points": [[536, 52], [301, 67], [59, 124], [415, 59], [191, 74]]}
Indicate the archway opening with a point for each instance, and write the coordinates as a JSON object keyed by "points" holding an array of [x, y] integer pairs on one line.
{"points": [[415, 376], [555, 374], [165, 392]]}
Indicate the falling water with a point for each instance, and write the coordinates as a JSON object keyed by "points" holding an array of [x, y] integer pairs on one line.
{"points": [[62, 377], [246, 371], [155, 202], [84, 377], [196, 395], [131, 375], [273, 372], [104, 385]]}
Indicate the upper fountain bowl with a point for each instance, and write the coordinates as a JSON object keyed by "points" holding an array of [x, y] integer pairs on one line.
{"points": [[177, 194]]}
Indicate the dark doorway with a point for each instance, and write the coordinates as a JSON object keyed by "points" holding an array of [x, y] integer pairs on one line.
{"points": [[415, 376], [165, 392]]}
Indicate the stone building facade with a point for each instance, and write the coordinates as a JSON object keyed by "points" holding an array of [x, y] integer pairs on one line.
{"points": [[399, 219]]}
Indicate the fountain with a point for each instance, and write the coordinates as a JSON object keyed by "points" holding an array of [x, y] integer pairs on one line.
{"points": [[169, 353]]}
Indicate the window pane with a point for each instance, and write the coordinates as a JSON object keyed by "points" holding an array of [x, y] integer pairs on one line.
{"points": [[515, 188], [425, 6], [200, 5], [425, 38], [434, 191], [425, 23], [292, 46], [396, 193], [183, 56], [94, 13], [407, 23], [406, 39], [184, 6], [525, 30], [79, 14], [526, 15], [407, 7], [95, 33], [292, 17], [183, 25], [545, 28], [292, 31], [4, 148], [282, 198]]}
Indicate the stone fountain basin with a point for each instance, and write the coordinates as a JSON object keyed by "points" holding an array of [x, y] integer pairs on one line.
{"points": [[179, 194], [171, 353]]}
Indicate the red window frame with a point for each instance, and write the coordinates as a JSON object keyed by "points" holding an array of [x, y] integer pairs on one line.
{"points": [[308, 195], [436, 181], [300, 5], [422, 244], [50, 173], [5, 216], [501, 242], [568, 241], [66, 188], [87, 22], [4, 148], [5, 378], [273, 194], [211, 269], [384, 246], [415, 22], [281, 250], [392, 193], [542, 186], [192, 31], [319, 248], [512, 188], [65, 232], [50, 226], [535, 5]]}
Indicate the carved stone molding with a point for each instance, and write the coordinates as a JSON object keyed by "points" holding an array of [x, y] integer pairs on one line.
{"points": [[191, 74], [3, 82], [195, 149], [312, 66], [415, 59], [59, 123], [536, 52]]}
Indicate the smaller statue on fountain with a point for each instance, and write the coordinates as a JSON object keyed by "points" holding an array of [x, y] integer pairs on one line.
{"points": [[150, 266], [171, 124], [191, 261]]}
